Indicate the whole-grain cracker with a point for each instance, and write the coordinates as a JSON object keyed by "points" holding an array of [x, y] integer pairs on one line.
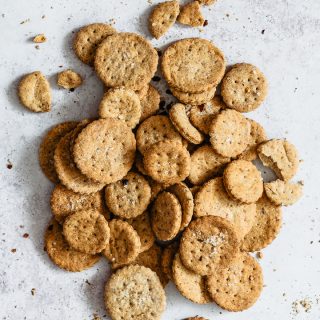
{"points": [[167, 257], [194, 98], [190, 14], [69, 79], [150, 103]]}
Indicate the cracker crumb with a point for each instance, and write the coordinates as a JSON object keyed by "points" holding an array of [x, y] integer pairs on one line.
{"points": [[301, 305], [40, 38], [14, 250], [259, 255], [33, 291], [37, 47], [25, 21], [26, 235]]}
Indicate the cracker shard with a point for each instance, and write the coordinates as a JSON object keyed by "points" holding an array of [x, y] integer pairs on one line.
{"points": [[191, 15], [163, 17], [69, 79]]}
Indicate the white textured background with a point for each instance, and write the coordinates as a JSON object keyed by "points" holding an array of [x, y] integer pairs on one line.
{"points": [[288, 52]]}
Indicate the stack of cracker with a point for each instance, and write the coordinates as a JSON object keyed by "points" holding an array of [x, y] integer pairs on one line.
{"points": [[166, 197]]}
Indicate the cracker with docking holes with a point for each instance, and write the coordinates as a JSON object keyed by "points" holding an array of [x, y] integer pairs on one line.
{"points": [[190, 14], [150, 103], [69, 79], [194, 98], [167, 257]]}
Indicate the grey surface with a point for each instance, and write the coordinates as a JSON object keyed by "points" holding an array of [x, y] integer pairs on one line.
{"points": [[288, 52]]}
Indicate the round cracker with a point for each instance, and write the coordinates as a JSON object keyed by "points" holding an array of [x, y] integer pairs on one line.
{"points": [[129, 197], [150, 103], [191, 285], [135, 292], [167, 257], [167, 162], [194, 98], [88, 38], [87, 231], [193, 65], [166, 216], [238, 286], [121, 104], [142, 92], [126, 59], [48, 145], [62, 254], [212, 199], [69, 79], [244, 87], [208, 243], [230, 133], [104, 150]]}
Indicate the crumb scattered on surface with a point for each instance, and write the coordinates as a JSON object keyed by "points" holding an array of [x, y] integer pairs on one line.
{"points": [[9, 165], [262, 31], [96, 317], [40, 38], [33, 291], [25, 21], [37, 47], [303, 305], [259, 255], [26, 235], [14, 250]]}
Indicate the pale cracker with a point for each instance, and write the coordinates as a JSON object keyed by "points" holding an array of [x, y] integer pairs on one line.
{"points": [[190, 14]]}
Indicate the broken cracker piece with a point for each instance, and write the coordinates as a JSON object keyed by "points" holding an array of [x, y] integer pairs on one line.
{"points": [[191, 15]]}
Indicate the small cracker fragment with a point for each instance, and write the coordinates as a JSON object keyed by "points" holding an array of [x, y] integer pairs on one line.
{"points": [[87, 231], [179, 118], [143, 227], [257, 136], [126, 60], [244, 87], [206, 2], [62, 254], [34, 92], [167, 162], [65, 202], [190, 14], [40, 38], [191, 285], [243, 181], [88, 38], [201, 115], [207, 244], [281, 156], [104, 150], [124, 245], [205, 163], [212, 199], [193, 65], [134, 292], [167, 257], [266, 226], [150, 103], [48, 145], [128, 197], [69, 79], [163, 17], [282, 192], [121, 104], [155, 129], [194, 98], [166, 216], [238, 286], [230, 133], [152, 259], [196, 318]]}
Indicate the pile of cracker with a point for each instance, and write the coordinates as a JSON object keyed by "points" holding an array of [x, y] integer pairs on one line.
{"points": [[166, 195]]}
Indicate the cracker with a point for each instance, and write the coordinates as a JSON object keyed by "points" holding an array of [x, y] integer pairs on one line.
{"points": [[143, 227], [155, 129], [243, 181], [166, 216], [244, 87], [230, 133], [167, 162], [281, 156], [257, 136], [238, 286], [266, 226], [138, 162], [122, 104], [34, 92], [190, 14], [68, 173], [194, 98], [205, 163], [282, 192], [207, 244], [88, 38], [126, 59], [135, 292], [87, 231], [129, 197], [167, 257], [191, 285], [104, 150], [156, 187], [48, 145], [124, 245], [152, 259], [162, 17], [194, 190], [69, 79], [65, 202], [185, 197], [141, 93], [212, 199], [62, 254], [201, 115], [179, 118], [150, 103], [193, 65]]}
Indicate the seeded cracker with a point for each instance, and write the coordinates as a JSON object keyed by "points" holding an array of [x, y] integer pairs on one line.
{"points": [[150, 103], [190, 14], [194, 98], [167, 257], [69, 79]]}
